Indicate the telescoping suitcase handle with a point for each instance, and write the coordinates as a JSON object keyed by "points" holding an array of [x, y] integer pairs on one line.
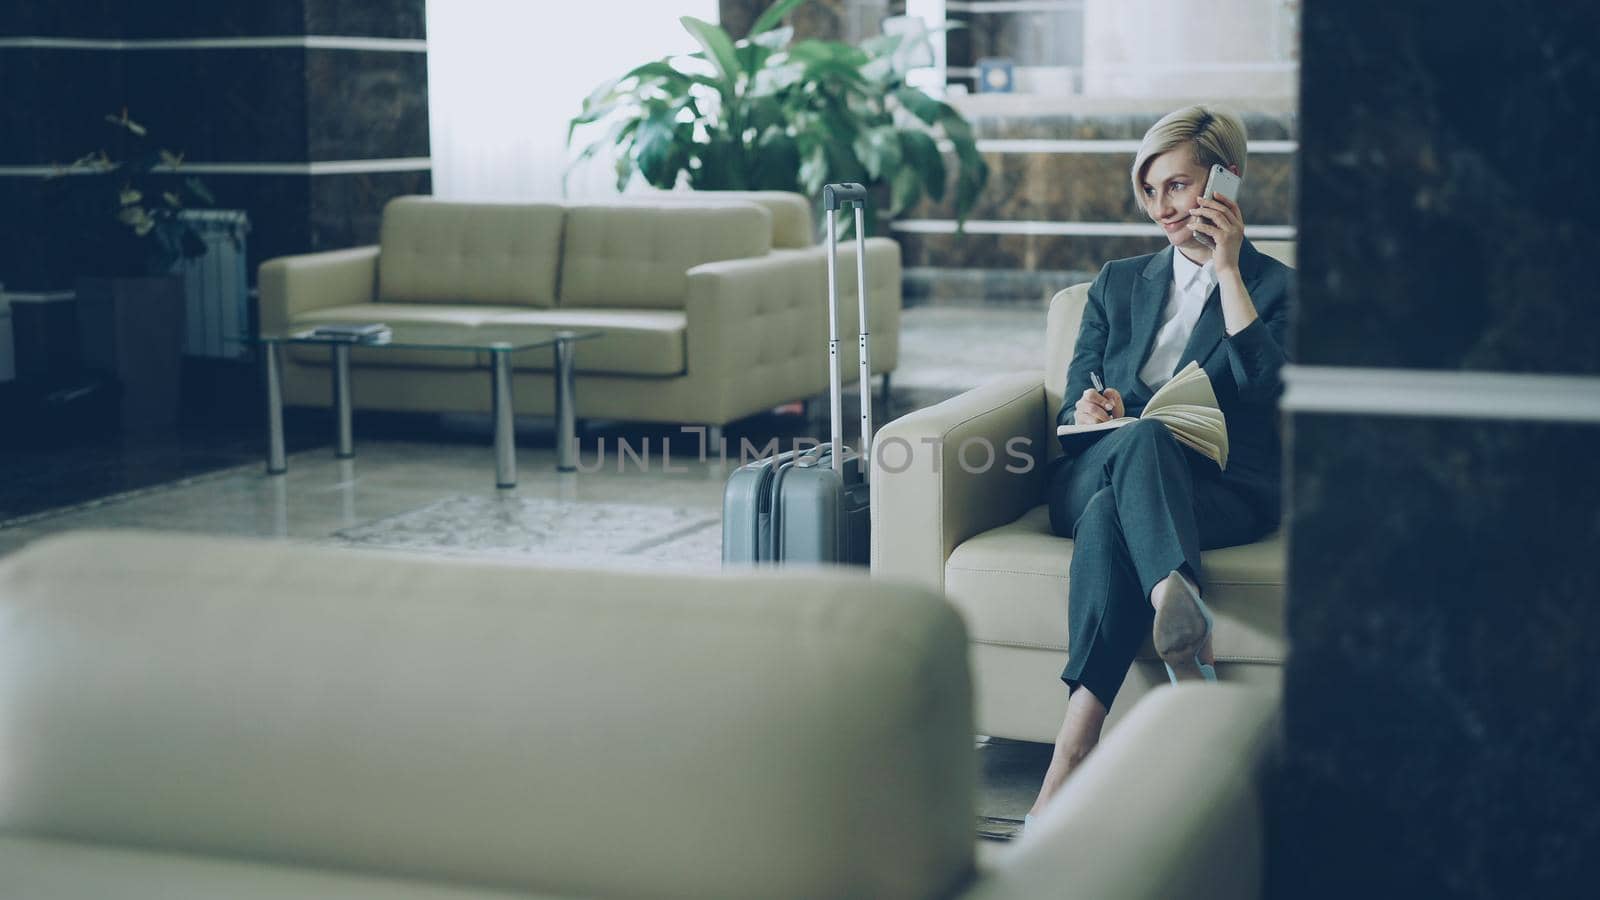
{"points": [[835, 196], [848, 193]]}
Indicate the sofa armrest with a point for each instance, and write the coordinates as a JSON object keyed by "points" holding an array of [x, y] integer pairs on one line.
{"points": [[1135, 823], [935, 482], [292, 285], [750, 340]]}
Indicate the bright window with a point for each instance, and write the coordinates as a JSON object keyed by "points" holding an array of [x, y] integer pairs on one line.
{"points": [[505, 76]]}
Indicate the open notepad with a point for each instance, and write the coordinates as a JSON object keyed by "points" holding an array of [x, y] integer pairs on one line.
{"points": [[1186, 405]]}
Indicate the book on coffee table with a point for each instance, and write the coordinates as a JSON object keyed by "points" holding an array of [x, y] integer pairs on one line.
{"points": [[1186, 405], [352, 331]]}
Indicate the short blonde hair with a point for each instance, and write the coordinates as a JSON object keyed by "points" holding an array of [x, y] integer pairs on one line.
{"points": [[1217, 137]]}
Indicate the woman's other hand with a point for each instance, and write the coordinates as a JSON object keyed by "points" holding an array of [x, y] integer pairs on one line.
{"points": [[1219, 218], [1094, 407]]}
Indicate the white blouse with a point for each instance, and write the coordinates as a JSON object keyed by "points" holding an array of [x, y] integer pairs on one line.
{"points": [[1186, 297]]}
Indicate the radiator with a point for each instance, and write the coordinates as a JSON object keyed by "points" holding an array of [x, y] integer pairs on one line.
{"points": [[216, 284]]}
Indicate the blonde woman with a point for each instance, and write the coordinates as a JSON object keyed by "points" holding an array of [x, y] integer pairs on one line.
{"points": [[1138, 505]]}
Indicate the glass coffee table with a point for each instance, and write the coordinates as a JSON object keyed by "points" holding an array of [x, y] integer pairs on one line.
{"points": [[498, 343]]}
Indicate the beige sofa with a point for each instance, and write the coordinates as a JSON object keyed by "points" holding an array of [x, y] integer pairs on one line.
{"points": [[188, 717], [714, 308], [981, 535]]}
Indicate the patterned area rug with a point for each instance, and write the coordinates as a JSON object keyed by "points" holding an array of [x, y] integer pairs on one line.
{"points": [[546, 530]]}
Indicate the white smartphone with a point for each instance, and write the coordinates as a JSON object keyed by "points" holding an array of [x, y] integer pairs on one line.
{"points": [[1220, 181]]}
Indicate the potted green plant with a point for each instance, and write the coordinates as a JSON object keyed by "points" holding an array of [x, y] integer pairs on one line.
{"points": [[123, 203], [768, 113]]}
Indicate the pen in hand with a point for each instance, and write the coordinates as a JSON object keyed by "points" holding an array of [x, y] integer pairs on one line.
{"points": [[1099, 387]]}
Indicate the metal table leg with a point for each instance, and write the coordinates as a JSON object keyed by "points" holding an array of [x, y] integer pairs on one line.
{"points": [[344, 447], [276, 464], [505, 432], [566, 406]]}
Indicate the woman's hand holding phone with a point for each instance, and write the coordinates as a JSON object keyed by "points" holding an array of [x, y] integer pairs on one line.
{"points": [[1095, 407], [1220, 219]]}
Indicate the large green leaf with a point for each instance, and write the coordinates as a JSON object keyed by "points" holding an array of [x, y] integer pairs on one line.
{"points": [[905, 188], [624, 168], [882, 45], [974, 171], [817, 52], [972, 175], [968, 186], [777, 162], [920, 105], [657, 149], [763, 113], [774, 14], [753, 53], [919, 153], [657, 69], [879, 151], [955, 127], [718, 48], [601, 94], [831, 73], [813, 167], [774, 79], [774, 40], [723, 166]]}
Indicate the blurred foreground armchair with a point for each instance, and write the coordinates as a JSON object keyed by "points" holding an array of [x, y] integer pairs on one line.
{"points": [[188, 717]]}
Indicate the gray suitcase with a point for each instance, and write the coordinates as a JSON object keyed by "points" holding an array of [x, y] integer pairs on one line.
{"points": [[810, 506]]}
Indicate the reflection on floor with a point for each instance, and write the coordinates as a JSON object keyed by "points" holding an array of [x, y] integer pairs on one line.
{"points": [[423, 484]]}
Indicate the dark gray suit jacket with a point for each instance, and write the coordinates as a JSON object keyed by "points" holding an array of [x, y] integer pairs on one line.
{"points": [[1119, 329]]}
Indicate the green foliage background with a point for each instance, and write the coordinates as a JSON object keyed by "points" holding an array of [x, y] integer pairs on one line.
{"points": [[768, 113]]}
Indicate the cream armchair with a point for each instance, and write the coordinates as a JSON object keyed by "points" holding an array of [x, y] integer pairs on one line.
{"points": [[189, 717], [945, 517], [706, 320]]}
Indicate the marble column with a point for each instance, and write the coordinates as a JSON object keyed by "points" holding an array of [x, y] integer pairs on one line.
{"points": [[1441, 730]]}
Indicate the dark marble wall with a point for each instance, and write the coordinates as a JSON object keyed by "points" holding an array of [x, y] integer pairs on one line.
{"points": [[222, 105], [290, 104], [1441, 732], [63, 18], [53, 102]]}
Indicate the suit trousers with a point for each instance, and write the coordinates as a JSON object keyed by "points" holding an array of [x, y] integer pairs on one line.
{"points": [[1138, 505]]}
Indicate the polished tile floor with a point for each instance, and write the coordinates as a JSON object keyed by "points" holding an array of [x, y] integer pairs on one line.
{"points": [[426, 485]]}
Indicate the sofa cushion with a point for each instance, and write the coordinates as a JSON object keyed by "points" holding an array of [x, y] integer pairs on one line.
{"points": [[1010, 584], [440, 251], [638, 256], [636, 341], [395, 314], [792, 227]]}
